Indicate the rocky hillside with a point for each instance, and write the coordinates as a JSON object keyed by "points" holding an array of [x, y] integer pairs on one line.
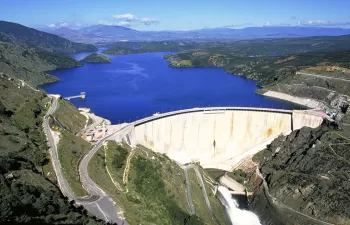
{"points": [[96, 58], [30, 64], [27, 196], [307, 178], [19, 34]]}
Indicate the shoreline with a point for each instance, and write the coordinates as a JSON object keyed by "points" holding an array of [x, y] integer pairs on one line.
{"points": [[307, 102]]}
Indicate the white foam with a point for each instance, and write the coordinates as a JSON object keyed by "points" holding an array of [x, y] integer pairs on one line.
{"points": [[237, 216]]}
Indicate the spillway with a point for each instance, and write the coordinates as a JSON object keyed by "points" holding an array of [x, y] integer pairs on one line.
{"points": [[215, 137]]}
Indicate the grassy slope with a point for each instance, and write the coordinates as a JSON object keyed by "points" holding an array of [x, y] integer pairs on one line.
{"points": [[142, 209], [70, 150], [68, 115], [29, 197], [29, 64]]}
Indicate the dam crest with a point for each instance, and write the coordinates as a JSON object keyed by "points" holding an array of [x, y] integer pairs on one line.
{"points": [[219, 137]]}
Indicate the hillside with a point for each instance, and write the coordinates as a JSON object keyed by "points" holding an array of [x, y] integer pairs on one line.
{"points": [[305, 172], [19, 34], [27, 196], [279, 73], [30, 64], [110, 33], [150, 188], [96, 58]]}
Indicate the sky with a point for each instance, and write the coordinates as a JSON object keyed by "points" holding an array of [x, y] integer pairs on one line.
{"points": [[176, 14]]}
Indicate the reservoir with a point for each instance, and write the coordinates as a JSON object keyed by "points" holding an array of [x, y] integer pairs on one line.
{"points": [[138, 85]]}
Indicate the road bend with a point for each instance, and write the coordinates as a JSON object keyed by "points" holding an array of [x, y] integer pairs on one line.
{"points": [[99, 203]]}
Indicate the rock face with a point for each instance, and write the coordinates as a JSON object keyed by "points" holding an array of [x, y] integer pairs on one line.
{"points": [[306, 172], [96, 58]]}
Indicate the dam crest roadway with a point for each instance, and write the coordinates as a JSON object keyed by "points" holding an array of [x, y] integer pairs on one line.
{"points": [[219, 137], [216, 137]]}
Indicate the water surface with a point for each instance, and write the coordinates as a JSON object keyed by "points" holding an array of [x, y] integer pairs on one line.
{"points": [[138, 85]]}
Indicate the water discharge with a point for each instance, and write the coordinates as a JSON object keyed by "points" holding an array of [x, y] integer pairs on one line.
{"points": [[237, 216]]}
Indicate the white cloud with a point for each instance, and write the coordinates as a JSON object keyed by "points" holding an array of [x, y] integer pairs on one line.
{"points": [[238, 25], [124, 23], [267, 23], [148, 21], [323, 23], [63, 24], [51, 25], [318, 22], [127, 17]]}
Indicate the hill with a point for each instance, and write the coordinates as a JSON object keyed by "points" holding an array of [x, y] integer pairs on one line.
{"points": [[30, 64], [104, 33], [26, 194], [96, 58], [19, 34]]}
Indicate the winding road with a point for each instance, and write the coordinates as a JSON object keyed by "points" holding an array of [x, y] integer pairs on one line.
{"points": [[99, 203], [324, 77]]}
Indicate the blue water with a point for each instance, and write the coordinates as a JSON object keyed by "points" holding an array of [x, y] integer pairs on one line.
{"points": [[138, 85]]}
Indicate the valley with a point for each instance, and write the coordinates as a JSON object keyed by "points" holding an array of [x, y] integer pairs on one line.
{"points": [[172, 126]]}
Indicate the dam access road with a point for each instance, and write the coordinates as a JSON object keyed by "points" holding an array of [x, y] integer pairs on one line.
{"points": [[99, 203], [217, 137]]}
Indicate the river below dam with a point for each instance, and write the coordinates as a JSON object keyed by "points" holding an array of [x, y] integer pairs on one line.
{"points": [[138, 85]]}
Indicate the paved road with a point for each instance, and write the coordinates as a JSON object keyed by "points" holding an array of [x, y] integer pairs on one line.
{"points": [[189, 195], [62, 182], [98, 203], [104, 207], [205, 195], [324, 77]]}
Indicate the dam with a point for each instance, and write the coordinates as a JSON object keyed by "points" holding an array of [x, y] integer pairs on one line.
{"points": [[215, 137]]}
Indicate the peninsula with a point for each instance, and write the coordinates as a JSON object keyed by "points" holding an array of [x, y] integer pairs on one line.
{"points": [[96, 58]]}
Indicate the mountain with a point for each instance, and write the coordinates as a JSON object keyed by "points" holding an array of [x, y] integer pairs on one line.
{"points": [[30, 64], [19, 34], [105, 33], [110, 31], [96, 58]]}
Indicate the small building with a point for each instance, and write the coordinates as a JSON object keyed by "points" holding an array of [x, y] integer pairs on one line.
{"points": [[83, 109]]}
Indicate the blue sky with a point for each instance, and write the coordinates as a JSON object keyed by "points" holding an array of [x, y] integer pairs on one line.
{"points": [[177, 14]]}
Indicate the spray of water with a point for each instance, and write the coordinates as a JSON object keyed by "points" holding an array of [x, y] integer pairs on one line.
{"points": [[237, 216]]}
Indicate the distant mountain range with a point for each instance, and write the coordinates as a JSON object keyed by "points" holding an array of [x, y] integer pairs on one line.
{"points": [[19, 34], [104, 33]]}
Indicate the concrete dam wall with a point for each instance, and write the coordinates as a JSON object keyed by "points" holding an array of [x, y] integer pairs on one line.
{"points": [[216, 137]]}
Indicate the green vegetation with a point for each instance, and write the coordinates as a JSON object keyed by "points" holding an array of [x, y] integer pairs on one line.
{"points": [[26, 196], [98, 173], [69, 117], [115, 161], [96, 58], [155, 192], [120, 157], [71, 149], [122, 48], [30, 64], [117, 50], [266, 70], [19, 34], [238, 175]]}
